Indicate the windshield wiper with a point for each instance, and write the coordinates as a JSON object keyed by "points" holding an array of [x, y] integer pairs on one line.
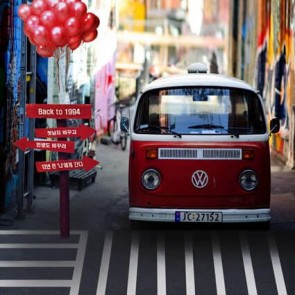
{"points": [[160, 128], [206, 126], [211, 126]]}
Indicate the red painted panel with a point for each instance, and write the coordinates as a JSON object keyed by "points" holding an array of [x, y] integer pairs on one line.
{"points": [[177, 190]]}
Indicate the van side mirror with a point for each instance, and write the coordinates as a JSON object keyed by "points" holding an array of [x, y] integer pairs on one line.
{"points": [[124, 124], [274, 125]]}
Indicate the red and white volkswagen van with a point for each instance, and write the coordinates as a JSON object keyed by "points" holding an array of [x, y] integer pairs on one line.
{"points": [[199, 151]]}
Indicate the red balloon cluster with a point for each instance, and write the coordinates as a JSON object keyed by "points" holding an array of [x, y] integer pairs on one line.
{"points": [[50, 24]]}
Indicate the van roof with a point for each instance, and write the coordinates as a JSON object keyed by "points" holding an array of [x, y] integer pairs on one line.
{"points": [[198, 80]]}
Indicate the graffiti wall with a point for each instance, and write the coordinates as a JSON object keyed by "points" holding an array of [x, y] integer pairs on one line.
{"points": [[276, 52], [268, 39], [10, 65]]}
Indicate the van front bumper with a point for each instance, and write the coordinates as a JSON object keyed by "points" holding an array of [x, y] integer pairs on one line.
{"points": [[228, 215]]}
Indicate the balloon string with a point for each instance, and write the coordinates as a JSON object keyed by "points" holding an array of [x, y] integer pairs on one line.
{"points": [[56, 58], [60, 53]]}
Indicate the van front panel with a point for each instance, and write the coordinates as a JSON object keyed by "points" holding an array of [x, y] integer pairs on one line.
{"points": [[199, 175]]}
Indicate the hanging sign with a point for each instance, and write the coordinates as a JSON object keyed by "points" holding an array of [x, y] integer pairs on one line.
{"points": [[82, 131], [49, 145], [64, 165], [59, 111]]}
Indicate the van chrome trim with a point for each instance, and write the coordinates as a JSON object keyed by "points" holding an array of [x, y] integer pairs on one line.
{"points": [[199, 138], [200, 153], [229, 215]]}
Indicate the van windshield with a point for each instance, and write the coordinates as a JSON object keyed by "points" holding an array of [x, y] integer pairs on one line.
{"points": [[209, 111]]}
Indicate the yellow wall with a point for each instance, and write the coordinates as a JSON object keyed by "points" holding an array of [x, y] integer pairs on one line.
{"points": [[132, 10]]}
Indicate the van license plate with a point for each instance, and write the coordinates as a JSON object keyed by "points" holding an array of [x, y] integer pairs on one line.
{"points": [[185, 216]]}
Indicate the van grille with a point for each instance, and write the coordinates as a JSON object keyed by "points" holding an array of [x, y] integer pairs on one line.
{"points": [[178, 153], [200, 154]]}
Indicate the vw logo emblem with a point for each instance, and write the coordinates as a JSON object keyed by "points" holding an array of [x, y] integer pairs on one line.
{"points": [[200, 179]]}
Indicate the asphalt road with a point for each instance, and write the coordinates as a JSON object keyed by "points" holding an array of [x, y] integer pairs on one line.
{"points": [[103, 255]]}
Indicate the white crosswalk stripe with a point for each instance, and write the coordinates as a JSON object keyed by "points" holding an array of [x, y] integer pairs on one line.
{"points": [[277, 268], [105, 263], [248, 267], [219, 277], [133, 263], [189, 266], [161, 265]]}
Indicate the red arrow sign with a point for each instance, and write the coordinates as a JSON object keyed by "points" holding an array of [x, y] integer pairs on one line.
{"points": [[50, 145], [82, 131], [59, 111], [86, 163]]}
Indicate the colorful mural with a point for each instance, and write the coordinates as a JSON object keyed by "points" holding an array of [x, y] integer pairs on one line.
{"points": [[279, 73], [10, 65], [273, 48]]}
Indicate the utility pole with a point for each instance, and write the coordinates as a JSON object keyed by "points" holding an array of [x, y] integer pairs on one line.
{"points": [[31, 87], [22, 107], [27, 95]]}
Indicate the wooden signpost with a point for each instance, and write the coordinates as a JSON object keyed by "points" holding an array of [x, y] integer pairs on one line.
{"points": [[61, 112]]}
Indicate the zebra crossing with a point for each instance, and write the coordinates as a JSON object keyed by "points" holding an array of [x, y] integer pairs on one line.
{"points": [[34, 259], [148, 262], [198, 263]]}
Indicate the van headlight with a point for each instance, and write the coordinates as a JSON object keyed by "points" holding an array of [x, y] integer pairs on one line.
{"points": [[151, 179], [248, 180]]}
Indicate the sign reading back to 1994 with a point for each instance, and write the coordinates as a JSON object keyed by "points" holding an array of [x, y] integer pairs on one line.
{"points": [[59, 111]]}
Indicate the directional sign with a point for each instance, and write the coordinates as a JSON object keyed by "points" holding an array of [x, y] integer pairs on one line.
{"points": [[49, 145], [63, 165], [59, 111], [82, 131]]}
